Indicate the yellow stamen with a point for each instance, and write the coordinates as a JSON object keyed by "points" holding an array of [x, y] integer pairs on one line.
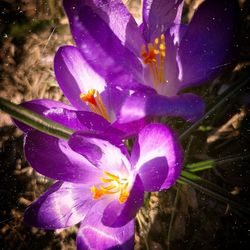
{"points": [[107, 191], [89, 97], [162, 58], [97, 194], [153, 75], [102, 107], [95, 102], [106, 180], [111, 176], [117, 186], [110, 187], [124, 194], [154, 56]]}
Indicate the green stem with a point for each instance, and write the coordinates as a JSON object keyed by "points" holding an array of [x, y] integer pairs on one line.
{"points": [[34, 120]]}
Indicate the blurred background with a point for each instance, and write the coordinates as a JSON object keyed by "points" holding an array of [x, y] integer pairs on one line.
{"points": [[180, 218]]}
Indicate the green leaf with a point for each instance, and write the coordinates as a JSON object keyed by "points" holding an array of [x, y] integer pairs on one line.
{"points": [[212, 190], [207, 164], [221, 100], [231, 159], [34, 120], [205, 128], [200, 166]]}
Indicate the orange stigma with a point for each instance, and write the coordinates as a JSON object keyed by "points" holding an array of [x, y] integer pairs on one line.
{"points": [[95, 102], [115, 185], [154, 56]]}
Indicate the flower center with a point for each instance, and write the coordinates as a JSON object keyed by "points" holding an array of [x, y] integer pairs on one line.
{"points": [[95, 102], [154, 56], [114, 185]]}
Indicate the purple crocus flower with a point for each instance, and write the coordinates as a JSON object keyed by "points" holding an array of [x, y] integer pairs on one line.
{"points": [[87, 91], [99, 183], [151, 62]]}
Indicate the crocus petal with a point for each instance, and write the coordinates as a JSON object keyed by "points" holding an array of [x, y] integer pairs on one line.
{"points": [[153, 174], [117, 214], [104, 152], [94, 235], [75, 75], [207, 44], [130, 129], [92, 121], [62, 205], [54, 158], [105, 48], [157, 157], [186, 106], [65, 115], [159, 15]]}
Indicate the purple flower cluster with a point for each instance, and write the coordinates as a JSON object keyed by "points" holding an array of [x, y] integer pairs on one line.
{"points": [[119, 75]]}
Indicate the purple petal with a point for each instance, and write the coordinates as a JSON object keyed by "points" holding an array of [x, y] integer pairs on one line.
{"points": [[117, 214], [187, 106], [92, 121], [75, 75], [153, 173], [157, 157], [112, 13], [62, 205], [109, 48], [54, 158], [130, 129], [94, 235], [207, 44], [104, 152], [117, 98], [65, 115], [177, 31], [120, 91], [159, 15]]}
